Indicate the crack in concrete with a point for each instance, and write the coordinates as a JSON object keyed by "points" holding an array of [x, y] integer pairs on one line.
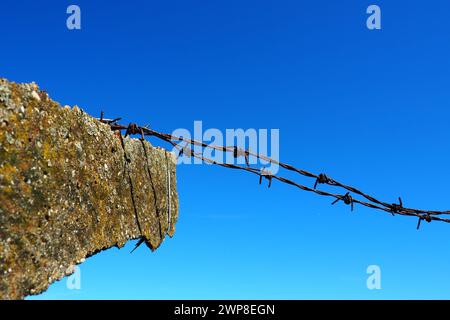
{"points": [[133, 201], [168, 194], [158, 214]]}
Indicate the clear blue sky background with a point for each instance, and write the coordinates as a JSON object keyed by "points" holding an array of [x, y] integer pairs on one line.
{"points": [[370, 108]]}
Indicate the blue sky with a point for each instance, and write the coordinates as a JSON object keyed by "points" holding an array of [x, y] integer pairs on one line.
{"points": [[369, 108]]}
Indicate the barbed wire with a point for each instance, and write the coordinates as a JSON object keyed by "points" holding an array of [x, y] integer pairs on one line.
{"points": [[322, 178]]}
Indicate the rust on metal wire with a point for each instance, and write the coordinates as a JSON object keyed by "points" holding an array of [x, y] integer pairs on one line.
{"points": [[322, 178]]}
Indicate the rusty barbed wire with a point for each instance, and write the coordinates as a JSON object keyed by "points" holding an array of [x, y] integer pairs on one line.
{"points": [[322, 178]]}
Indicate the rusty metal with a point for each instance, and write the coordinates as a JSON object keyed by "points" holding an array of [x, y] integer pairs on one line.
{"points": [[321, 179], [267, 175], [347, 198]]}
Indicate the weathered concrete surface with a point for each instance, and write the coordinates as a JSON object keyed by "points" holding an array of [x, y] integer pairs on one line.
{"points": [[69, 188]]}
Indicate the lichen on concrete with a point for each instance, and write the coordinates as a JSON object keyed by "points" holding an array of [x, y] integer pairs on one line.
{"points": [[70, 187]]}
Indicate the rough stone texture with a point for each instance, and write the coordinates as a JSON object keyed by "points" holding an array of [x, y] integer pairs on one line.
{"points": [[69, 187]]}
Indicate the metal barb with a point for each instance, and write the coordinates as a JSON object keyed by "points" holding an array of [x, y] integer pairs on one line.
{"points": [[396, 208], [425, 217], [321, 179], [133, 128], [267, 175], [238, 152], [347, 199]]}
